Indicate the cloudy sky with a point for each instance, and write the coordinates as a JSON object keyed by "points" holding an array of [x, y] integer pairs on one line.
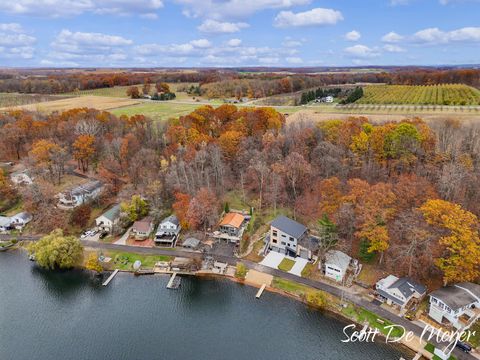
{"points": [[138, 33]]}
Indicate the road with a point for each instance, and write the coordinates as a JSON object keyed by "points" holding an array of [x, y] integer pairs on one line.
{"points": [[231, 260]]}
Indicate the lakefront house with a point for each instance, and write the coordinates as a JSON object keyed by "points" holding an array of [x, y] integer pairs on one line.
{"points": [[109, 219], [284, 236], [399, 291], [168, 231], [458, 305]]}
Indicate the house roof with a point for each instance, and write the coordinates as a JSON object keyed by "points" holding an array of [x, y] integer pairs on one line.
{"points": [[144, 225], [458, 295], [172, 218], [86, 188], [112, 213], [232, 219], [26, 217], [289, 226], [191, 242], [338, 258], [407, 287], [5, 221]]}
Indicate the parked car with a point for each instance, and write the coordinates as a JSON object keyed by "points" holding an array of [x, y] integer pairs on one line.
{"points": [[464, 347], [103, 234]]}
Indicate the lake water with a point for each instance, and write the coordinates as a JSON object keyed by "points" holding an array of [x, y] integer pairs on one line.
{"points": [[69, 315]]}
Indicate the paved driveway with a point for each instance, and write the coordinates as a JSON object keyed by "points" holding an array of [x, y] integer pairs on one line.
{"points": [[123, 239], [273, 259], [298, 267]]}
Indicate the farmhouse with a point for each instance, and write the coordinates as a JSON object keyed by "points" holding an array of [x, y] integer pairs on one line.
{"points": [[336, 265], [284, 236], [167, 231], [80, 194], [458, 305], [142, 228], [109, 219], [399, 291]]}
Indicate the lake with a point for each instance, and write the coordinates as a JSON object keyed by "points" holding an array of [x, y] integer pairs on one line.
{"points": [[70, 315]]}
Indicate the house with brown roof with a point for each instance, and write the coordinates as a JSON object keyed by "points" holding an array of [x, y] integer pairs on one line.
{"points": [[231, 227], [141, 229]]}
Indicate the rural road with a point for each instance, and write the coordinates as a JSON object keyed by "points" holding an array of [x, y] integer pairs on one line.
{"points": [[353, 298]]}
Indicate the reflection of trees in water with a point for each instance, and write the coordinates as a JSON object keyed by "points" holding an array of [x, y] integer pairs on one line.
{"points": [[66, 283]]}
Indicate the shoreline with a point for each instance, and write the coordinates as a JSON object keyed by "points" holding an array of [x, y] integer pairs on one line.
{"points": [[331, 311]]}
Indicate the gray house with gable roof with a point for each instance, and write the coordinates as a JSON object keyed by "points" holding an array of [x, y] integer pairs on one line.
{"points": [[399, 291], [109, 219], [458, 304]]}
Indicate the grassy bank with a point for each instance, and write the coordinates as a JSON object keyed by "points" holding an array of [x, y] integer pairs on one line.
{"points": [[124, 260]]}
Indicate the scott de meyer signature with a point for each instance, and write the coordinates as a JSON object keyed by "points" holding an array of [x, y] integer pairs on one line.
{"points": [[449, 338]]}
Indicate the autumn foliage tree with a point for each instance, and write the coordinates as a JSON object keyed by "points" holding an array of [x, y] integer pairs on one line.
{"points": [[133, 92], [460, 240], [203, 210], [180, 207], [84, 150]]}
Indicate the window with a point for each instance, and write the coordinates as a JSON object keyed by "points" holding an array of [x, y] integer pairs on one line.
{"points": [[274, 241], [284, 243], [291, 238], [274, 232], [284, 236]]}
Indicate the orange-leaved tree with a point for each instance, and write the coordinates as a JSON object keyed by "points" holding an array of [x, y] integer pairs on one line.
{"points": [[461, 243], [84, 149]]}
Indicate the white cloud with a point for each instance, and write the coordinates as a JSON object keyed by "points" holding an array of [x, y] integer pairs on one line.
{"points": [[437, 36], [201, 43], [393, 48], [13, 27], [292, 43], [213, 26], [14, 43], [353, 35], [392, 37], [294, 60], [234, 42], [399, 2], [362, 51], [88, 48], [233, 9], [62, 8], [314, 17]]}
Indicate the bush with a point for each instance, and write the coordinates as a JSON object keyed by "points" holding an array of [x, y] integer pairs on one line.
{"points": [[241, 271]]}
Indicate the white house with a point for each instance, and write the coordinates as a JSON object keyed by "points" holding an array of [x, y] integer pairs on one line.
{"points": [[458, 305], [399, 291], [336, 265], [80, 194], [21, 219], [141, 229], [167, 231], [329, 99], [21, 178], [284, 236], [5, 223], [109, 219]]}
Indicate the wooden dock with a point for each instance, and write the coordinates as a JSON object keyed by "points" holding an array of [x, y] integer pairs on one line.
{"points": [[110, 278], [260, 291], [174, 282]]}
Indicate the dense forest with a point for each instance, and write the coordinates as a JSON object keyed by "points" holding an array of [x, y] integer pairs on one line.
{"points": [[402, 194]]}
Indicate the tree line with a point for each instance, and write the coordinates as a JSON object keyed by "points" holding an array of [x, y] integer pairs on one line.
{"points": [[401, 194]]}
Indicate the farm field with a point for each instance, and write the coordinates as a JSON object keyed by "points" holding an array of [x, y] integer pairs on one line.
{"points": [[121, 91], [454, 94], [159, 110], [97, 102], [15, 99]]}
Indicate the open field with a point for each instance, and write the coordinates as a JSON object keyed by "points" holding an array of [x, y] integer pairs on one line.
{"points": [[121, 91], [448, 94], [159, 110], [16, 99], [97, 102]]}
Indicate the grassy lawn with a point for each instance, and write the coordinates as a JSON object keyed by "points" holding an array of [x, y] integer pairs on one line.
{"points": [[475, 340], [159, 110], [361, 315], [308, 270], [312, 296], [369, 274], [124, 260], [430, 348], [286, 265]]}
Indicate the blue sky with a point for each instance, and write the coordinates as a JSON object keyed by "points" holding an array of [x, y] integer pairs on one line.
{"points": [[137, 33]]}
